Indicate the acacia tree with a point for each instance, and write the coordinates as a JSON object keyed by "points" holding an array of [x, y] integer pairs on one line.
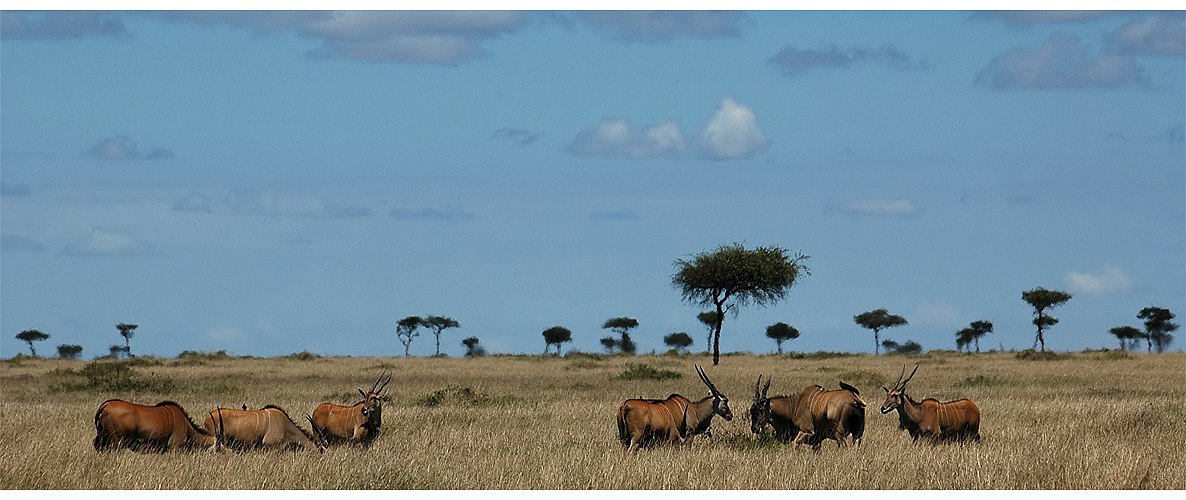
{"points": [[733, 276], [405, 331], [609, 343], [556, 335], [781, 332], [472, 349], [878, 320], [677, 340], [69, 351], [1042, 299], [1126, 334], [972, 334], [438, 324], [622, 327], [709, 319], [1158, 327], [127, 330], [32, 336]]}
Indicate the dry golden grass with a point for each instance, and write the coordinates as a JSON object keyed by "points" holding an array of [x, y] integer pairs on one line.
{"points": [[1094, 421]]}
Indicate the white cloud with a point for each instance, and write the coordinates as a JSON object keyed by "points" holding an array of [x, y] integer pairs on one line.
{"points": [[937, 315], [733, 133], [880, 208], [1111, 280], [108, 243], [641, 25], [1164, 33], [426, 37], [1062, 63], [618, 138]]}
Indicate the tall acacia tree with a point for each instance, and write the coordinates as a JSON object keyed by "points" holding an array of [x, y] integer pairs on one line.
{"points": [[439, 324], [622, 327], [1042, 299], [733, 276], [556, 335], [127, 330], [878, 320], [781, 332], [1158, 327], [405, 331], [32, 336], [973, 333]]}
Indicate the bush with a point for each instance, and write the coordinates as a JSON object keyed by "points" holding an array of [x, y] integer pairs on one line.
{"points": [[456, 395], [303, 356], [1032, 355], [117, 377], [817, 355], [645, 371]]}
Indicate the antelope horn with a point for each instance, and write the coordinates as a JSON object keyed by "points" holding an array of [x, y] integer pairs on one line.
{"points": [[767, 386], [376, 384], [911, 374], [317, 432], [707, 382], [218, 437], [757, 391], [385, 382], [899, 382]]}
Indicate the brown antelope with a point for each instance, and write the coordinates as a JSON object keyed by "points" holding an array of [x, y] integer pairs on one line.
{"points": [[812, 415], [269, 426], [953, 420], [675, 419], [162, 427], [356, 424]]}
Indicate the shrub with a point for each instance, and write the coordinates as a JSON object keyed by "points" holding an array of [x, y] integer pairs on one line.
{"points": [[116, 376], [303, 356], [645, 371], [456, 395], [1032, 355]]}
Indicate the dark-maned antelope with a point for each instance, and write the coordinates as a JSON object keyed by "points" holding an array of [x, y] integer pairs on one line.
{"points": [[269, 426], [675, 419], [812, 415], [355, 424], [162, 427], [953, 420]]}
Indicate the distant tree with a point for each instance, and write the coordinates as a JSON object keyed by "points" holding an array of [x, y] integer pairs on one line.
{"points": [[438, 324], [609, 343], [69, 351], [1158, 327], [710, 320], [405, 331], [32, 336], [127, 330], [556, 335], [116, 350], [733, 276], [910, 347], [677, 340], [889, 345], [622, 327], [472, 349], [1042, 299], [781, 332], [878, 320], [1127, 334], [972, 334]]}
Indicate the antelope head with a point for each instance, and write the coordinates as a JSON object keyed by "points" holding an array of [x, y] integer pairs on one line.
{"points": [[372, 401], [894, 397], [720, 403], [759, 411]]}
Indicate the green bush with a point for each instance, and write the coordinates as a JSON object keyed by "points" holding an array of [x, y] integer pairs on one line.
{"points": [[115, 376], [1032, 355], [303, 356]]}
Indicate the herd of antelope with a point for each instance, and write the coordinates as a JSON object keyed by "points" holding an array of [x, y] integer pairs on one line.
{"points": [[166, 426], [810, 416]]}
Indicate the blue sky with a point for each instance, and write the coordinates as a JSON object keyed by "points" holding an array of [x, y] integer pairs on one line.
{"points": [[272, 182]]}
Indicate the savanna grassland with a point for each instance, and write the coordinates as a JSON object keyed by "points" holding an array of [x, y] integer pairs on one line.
{"points": [[1094, 420]]}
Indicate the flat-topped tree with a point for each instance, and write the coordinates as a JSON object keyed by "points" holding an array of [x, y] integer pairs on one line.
{"points": [[127, 330], [622, 327], [1158, 327], [439, 324], [733, 276], [1042, 299], [556, 335], [878, 320], [405, 331], [781, 332], [32, 336]]}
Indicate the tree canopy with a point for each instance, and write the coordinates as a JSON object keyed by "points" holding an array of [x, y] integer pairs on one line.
{"points": [[439, 324], [556, 335], [69, 351], [677, 340], [405, 331], [1158, 327], [127, 330], [32, 336], [781, 332], [733, 276], [622, 327], [1042, 299], [878, 320]]}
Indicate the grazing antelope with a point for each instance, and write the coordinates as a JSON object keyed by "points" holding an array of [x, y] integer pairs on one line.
{"points": [[675, 419], [356, 424], [953, 420], [812, 415], [162, 427], [269, 426]]}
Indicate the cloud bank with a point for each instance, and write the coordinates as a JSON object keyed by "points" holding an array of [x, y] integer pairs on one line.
{"points": [[120, 147], [108, 243], [653, 26], [618, 138], [1111, 280], [1161, 34], [59, 25], [1061, 63], [275, 203], [428, 214], [900, 208], [795, 61]]}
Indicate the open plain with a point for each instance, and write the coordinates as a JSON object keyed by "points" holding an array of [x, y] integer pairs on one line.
{"points": [[1092, 420]]}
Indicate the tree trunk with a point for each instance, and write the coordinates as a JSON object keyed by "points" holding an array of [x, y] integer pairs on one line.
{"points": [[716, 339], [438, 344], [876, 342]]}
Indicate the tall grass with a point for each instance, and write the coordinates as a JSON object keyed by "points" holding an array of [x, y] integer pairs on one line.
{"points": [[505, 422]]}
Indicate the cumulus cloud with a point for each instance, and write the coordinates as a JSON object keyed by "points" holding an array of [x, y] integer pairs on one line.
{"points": [[1061, 63], [795, 61], [613, 215], [514, 135], [733, 132], [428, 214], [59, 25], [276, 203], [1111, 280], [108, 243], [618, 138], [18, 243], [427, 37], [650, 26], [120, 147], [900, 208], [1161, 34]]}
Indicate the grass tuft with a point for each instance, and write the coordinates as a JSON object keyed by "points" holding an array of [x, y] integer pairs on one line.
{"points": [[645, 371]]}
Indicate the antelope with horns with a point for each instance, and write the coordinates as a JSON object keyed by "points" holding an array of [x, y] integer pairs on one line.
{"points": [[953, 420], [162, 427], [675, 419], [355, 424], [812, 415], [267, 427]]}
